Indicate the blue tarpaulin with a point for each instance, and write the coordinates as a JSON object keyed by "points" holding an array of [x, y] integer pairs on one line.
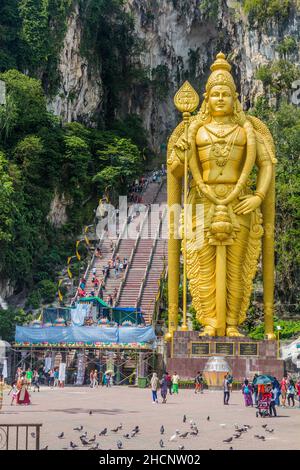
{"points": [[77, 334]]}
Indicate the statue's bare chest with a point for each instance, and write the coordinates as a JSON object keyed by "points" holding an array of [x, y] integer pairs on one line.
{"points": [[220, 144]]}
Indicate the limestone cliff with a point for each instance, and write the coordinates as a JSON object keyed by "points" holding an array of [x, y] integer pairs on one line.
{"points": [[181, 38]]}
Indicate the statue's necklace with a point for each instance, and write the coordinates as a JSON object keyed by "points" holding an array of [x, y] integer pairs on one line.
{"points": [[221, 149]]}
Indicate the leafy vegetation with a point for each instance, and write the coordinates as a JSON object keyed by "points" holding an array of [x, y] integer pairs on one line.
{"points": [[260, 11], [8, 321], [289, 329], [40, 158]]}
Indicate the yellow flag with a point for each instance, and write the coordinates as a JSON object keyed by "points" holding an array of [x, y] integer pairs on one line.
{"points": [[69, 259], [70, 273], [77, 252]]}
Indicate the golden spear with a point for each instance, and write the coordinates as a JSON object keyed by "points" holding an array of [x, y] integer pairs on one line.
{"points": [[186, 101]]}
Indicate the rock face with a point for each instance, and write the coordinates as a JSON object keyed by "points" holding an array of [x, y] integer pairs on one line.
{"points": [[181, 39], [80, 93], [58, 210]]}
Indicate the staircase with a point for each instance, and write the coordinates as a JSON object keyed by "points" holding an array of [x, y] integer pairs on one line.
{"points": [[142, 283]]}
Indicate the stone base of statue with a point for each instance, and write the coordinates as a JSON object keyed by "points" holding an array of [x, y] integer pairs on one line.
{"points": [[243, 356]]}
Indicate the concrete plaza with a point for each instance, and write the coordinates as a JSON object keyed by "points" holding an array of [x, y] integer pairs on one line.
{"points": [[61, 410]]}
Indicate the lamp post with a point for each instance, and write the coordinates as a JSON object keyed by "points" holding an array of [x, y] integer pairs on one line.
{"points": [[278, 328]]}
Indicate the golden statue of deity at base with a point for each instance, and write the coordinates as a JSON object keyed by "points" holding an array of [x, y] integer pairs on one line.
{"points": [[217, 150]]}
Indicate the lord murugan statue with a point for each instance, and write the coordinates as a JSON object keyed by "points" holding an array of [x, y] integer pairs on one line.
{"points": [[228, 159]]}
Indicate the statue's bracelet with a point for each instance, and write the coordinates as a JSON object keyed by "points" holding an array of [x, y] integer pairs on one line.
{"points": [[260, 195]]}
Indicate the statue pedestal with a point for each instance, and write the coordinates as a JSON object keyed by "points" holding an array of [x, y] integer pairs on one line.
{"points": [[245, 356]]}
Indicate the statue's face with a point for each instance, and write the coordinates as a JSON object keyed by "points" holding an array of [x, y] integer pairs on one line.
{"points": [[220, 101]]}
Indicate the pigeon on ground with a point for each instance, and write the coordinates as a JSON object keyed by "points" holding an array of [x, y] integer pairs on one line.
{"points": [[237, 435], [181, 447], [127, 436], [264, 426], [73, 445], [269, 430], [161, 443], [78, 429], [119, 445], [93, 438], [61, 435], [260, 437], [174, 437], [90, 412], [194, 432], [184, 435], [228, 440], [83, 435], [230, 448], [116, 429], [184, 419], [84, 442], [103, 432], [136, 429], [32, 435], [162, 429], [133, 433], [120, 426], [208, 418], [45, 448], [95, 447]]}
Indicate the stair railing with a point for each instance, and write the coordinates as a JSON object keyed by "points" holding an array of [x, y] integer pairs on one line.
{"points": [[147, 269], [122, 283]]}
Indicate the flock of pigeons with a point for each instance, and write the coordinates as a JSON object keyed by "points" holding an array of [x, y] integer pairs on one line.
{"points": [[91, 444]]}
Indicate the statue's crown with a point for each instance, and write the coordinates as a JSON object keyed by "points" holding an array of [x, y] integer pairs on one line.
{"points": [[220, 63], [220, 74]]}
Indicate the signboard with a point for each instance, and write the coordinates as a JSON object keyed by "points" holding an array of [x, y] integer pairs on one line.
{"points": [[200, 349], [225, 349], [248, 349]]}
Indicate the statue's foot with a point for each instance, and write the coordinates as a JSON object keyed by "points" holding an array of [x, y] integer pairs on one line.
{"points": [[232, 331], [208, 331]]}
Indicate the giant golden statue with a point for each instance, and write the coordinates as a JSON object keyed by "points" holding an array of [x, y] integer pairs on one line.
{"points": [[215, 153]]}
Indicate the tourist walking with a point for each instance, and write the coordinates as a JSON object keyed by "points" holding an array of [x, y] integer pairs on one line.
{"points": [[23, 395], [255, 389], [291, 393], [272, 407], [91, 378], [1, 390], [55, 377], [14, 391], [169, 381], [154, 387], [36, 380], [297, 386], [226, 389], [164, 388], [95, 379], [29, 375], [247, 391], [175, 383], [199, 383], [283, 390]]}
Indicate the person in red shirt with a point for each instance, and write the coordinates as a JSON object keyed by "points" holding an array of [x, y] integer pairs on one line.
{"points": [[298, 391], [283, 388]]}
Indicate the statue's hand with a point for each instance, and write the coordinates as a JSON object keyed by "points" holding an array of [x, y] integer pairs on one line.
{"points": [[183, 144], [248, 204]]}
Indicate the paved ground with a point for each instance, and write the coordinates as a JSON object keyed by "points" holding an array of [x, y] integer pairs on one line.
{"points": [[63, 409]]}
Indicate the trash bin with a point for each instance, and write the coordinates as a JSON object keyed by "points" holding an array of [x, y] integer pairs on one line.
{"points": [[142, 382]]}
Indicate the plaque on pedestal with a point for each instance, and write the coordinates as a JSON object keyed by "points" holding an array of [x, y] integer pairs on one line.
{"points": [[225, 349], [248, 349], [200, 348]]}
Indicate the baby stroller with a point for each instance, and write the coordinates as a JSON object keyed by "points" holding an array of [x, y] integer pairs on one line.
{"points": [[264, 405]]}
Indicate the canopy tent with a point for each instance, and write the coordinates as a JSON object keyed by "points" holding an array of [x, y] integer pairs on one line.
{"points": [[95, 300], [85, 335], [122, 314]]}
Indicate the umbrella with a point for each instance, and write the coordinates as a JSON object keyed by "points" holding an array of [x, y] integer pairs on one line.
{"points": [[263, 380]]}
